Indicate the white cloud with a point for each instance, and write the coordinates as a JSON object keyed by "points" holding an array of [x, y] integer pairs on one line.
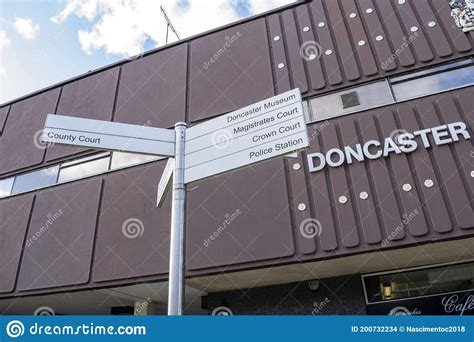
{"points": [[26, 27], [122, 27]]}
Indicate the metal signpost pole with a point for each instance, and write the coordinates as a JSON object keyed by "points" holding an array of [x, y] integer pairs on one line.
{"points": [[176, 269]]}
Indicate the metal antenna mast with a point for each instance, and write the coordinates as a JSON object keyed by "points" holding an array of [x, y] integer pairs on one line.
{"points": [[169, 25]]}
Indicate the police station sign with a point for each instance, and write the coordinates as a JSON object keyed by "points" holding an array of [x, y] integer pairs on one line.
{"points": [[374, 149]]}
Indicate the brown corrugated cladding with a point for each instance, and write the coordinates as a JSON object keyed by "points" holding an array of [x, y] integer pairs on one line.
{"points": [[248, 218]]}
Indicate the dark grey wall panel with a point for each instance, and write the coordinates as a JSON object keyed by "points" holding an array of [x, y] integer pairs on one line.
{"points": [[261, 231], [91, 97], [14, 214], [3, 117], [238, 77], [133, 235], [153, 89], [19, 144], [63, 221]]}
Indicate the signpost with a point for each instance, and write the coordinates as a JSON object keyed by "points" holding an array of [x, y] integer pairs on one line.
{"points": [[106, 135], [261, 131], [264, 130]]}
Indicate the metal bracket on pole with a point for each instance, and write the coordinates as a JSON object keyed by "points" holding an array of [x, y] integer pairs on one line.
{"points": [[177, 265]]}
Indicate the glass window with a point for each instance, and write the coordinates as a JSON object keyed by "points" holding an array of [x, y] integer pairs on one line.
{"points": [[6, 186], [84, 159], [444, 81], [35, 180], [84, 169], [122, 159], [350, 101], [421, 282]]}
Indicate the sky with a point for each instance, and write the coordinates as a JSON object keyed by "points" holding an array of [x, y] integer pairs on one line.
{"points": [[43, 42]]}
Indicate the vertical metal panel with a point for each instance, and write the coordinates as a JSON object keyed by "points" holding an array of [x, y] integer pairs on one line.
{"points": [[338, 185], [438, 38], [322, 203], [401, 174], [375, 29], [152, 89], [309, 40], [328, 51], [379, 177], [217, 236], [280, 63], [63, 223], [359, 183], [410, 23], [91, 97], [233, 79], [19, 144], [359, 37], [307, 227], [3, 117], [394, 31], [437, 213], [133, 235], [343, 45], [296, 54], [14, 214]]}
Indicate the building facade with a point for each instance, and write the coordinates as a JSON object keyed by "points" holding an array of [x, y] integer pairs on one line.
{"points": [[375, 217]]}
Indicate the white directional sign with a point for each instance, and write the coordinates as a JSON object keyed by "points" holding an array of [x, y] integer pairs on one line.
{"points": [[106, 135], [264, 130], [165, 182]]}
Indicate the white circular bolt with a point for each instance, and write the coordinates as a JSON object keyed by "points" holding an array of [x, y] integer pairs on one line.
{"points": [[401, 2], [321, 24], [428, 183], [296, 166], [352, 15], [281, 65], [342, 199], [432, 24], [413, 28], [364, 195], [276, 38], [301, 207], [406, 187], [305, 29], [369, 10], [361, 42], [328, 52], [379, 38], [472, 174]]}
